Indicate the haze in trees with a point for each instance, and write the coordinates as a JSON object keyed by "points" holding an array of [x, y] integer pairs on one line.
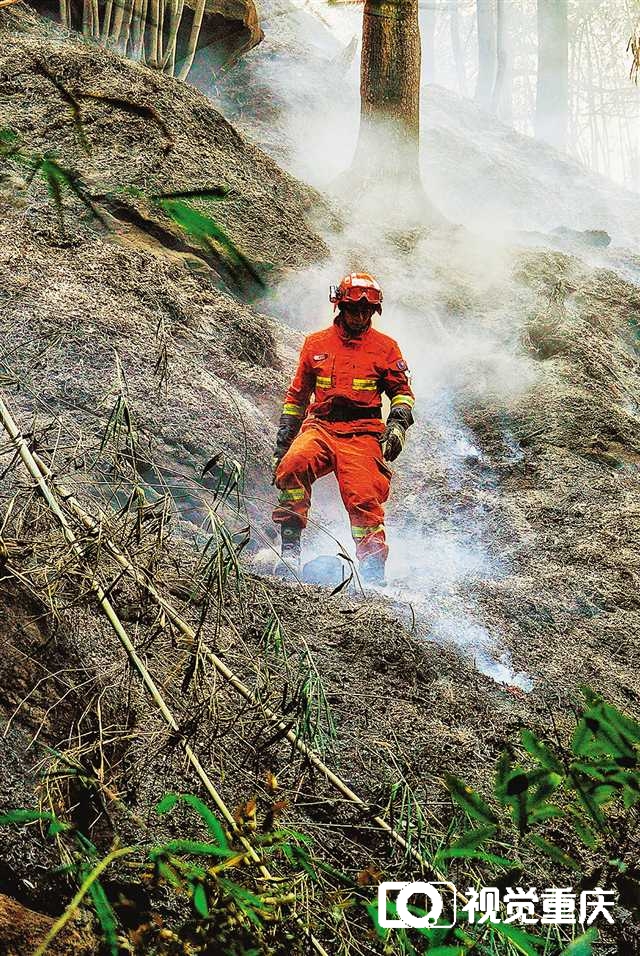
{"points": [[552, 94]]}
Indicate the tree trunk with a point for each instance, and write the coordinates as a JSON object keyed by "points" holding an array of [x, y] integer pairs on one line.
{"points": [[487, 44], [390, 88], [502, 99], [552, 95]]}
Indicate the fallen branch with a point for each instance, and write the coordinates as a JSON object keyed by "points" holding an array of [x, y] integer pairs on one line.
{"points": [[280, 724], [38, 472]]}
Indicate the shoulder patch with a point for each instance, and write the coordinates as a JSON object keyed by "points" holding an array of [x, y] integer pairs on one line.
{"points": [[320, 356], [402, 365]]}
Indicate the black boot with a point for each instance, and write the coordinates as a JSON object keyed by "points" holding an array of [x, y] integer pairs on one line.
{"points": [[290, 549], [372, 570]]}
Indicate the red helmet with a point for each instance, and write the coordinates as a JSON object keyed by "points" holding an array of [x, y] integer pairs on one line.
{"points": [[357, 286]]}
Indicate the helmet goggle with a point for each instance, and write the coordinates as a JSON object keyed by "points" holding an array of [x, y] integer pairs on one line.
{"points": [[355, 293]]}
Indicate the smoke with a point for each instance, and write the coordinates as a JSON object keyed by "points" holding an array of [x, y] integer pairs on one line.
{"points": [[445, 293], [475, 642], [452, 304], [300, 101]]}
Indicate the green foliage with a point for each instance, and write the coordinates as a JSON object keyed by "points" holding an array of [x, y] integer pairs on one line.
{"points": [[228, 475], [582, 946], [315, 725], [208, 234], [45, 166], [106, 917], [469, 800], [204, 870], [586, 790], [214, 826], [61, 181], [190, 867]]}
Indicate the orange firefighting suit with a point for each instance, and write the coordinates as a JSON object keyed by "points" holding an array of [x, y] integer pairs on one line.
{"points": [[340, 430]]}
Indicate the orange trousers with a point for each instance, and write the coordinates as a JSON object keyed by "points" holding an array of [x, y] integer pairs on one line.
{"points": [[363, 480]]}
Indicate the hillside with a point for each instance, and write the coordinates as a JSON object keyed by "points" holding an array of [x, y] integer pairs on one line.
{"points": [[514, 518]]}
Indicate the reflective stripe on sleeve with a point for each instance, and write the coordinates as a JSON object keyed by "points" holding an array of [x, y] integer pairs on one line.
{"points": [[358, 532], [291, 494], [365, 384], [290, 409], [403, 400]]}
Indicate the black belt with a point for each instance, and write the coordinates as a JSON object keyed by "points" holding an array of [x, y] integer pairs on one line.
{"points": [[353, 413]]}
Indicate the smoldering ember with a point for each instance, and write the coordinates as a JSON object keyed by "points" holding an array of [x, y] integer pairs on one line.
{"points": [[320, 477]]}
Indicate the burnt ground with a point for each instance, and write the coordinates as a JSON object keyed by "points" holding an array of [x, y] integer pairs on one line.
{"points": [[546, 487]]}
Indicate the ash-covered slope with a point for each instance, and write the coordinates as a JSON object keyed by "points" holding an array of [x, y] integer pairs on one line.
{"points": [[141, 288], [515, 510]]}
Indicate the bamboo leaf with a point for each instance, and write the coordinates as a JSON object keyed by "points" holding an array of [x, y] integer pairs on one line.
{"points": [[20, 816], [213, 824], [446, 951], [503, 769], [472, 839], [626, 726], [168, 873], [523, 942], [196, 848], [212, 193], [469, 854], [206, 232], [469, 800], [106, 917], [541, 751], [343, 584], [594, 737], [582, 945], [200, 902], [554, 852], [546, 812]]}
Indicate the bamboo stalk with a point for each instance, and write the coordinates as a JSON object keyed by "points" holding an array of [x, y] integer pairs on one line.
{"points": [[161, 16], [140, 49], [193, 40], [35, 469], [153, 46], [127, 27], [118, 21], [238, 685], [64, 13], [95, 20], [86, 16], [106, 23], [169, 63]]}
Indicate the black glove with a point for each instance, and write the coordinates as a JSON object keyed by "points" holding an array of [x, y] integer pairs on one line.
{"points": [[276, 458], [393, 436], [392, 441], [287, 430]]}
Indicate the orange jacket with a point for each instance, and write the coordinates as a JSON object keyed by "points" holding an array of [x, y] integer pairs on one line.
{"points": [[347, 373]]}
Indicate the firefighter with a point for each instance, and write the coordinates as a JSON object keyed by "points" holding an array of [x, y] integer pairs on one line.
{"points": [[346, 367]]}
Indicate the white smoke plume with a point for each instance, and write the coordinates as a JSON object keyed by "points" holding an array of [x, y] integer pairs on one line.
{"points": [[445, 291]]}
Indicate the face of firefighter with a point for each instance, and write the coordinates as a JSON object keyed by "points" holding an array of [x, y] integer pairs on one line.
{"points": [[357, 316]]}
